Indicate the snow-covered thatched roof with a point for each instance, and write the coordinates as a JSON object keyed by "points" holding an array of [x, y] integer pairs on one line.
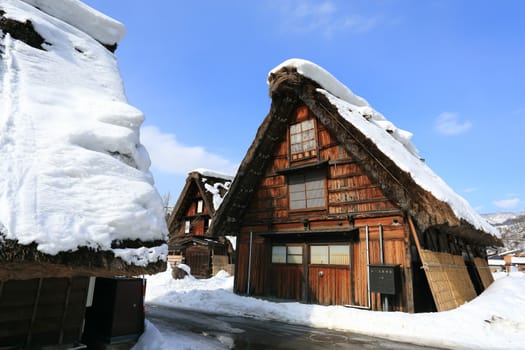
{"points": [[392, 141], [75, 176], [386, 151]]}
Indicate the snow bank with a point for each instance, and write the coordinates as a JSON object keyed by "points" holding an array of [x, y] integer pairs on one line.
{"points": [[392, 141], [75, 173], [494, 320]]}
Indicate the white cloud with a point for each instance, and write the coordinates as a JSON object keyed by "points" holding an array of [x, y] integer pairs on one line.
{"points": [[449, 124], [169, 156], [322, 16], [507, 203]]}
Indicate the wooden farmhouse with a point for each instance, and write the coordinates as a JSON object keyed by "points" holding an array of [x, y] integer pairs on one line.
{"points": [[332, 205], [190, 241], [79, 215]]}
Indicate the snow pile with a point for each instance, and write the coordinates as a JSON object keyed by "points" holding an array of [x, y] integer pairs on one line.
{"points": [[75, 173], [99, 26], [494, 320], [393, 142]]}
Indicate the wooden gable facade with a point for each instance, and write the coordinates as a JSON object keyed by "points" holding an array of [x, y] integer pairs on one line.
{"points": [[322, 216], [189, 239]]}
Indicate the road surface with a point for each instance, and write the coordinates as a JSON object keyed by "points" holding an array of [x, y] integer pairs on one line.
{"points": [[208, 331]]}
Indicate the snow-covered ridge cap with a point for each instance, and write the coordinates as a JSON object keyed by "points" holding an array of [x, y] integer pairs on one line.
{"points": [[96, 24], [212, 173], [329, 83]]}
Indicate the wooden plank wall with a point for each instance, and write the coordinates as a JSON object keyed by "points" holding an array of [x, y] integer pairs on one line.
{"points": [[261, 256], [332, 288], [40, 312], [198, 259], [287, 281], [394, 253]]}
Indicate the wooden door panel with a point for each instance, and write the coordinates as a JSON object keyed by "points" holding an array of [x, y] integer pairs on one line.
{"points": [[329, 284]]}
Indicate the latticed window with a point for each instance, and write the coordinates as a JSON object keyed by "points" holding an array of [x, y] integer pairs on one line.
{"points": [[330, 254], [307, 190], [287, 254], [302, 139]]}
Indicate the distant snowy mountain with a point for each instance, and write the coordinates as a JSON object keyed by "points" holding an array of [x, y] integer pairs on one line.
{"points": [[511, 227]]}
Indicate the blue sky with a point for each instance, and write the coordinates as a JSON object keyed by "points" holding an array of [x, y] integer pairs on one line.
{"points": [[451, 72]]}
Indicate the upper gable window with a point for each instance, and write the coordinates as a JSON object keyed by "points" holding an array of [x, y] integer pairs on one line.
{"points": [[200, 206], [302, 140]]}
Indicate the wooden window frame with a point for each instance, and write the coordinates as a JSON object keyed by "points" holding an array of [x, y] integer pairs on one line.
{"points": [[329, 254], [273, 254], [304, 179], [287, 254], [200, 206], [309, 153]]}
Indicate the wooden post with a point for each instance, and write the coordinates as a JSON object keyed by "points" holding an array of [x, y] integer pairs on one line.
{"points": [[66, 305], [35, 310], [414, 234], [409, 284], [250, 264]]}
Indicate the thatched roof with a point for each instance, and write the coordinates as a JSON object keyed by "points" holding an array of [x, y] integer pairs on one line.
{"points": [[290, 88], [76, 195]]}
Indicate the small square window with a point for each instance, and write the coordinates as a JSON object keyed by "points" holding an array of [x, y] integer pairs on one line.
{"points": [[279, 255], [307, 190], [302, 138], [339, 254], [319, 254], [294, 255]]}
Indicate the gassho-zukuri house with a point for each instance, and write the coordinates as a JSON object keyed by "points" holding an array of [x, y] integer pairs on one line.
{"points": [[190, 241], [333, 205], [77, 199]]}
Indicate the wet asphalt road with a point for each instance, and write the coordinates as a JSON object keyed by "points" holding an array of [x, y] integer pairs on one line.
{"points": [[230, 332]]}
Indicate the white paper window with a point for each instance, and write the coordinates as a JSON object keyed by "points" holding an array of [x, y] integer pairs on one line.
{"points": [[294, 255], [187, 226], [200, 204], [319, 254], [302, 137], [279, 254], [339, 255]]}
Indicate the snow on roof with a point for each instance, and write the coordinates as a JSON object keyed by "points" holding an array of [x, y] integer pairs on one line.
{"points": [[393, 142], [75, 173], [215, 187], [215, 190], [99, 26], [212, 173]]}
